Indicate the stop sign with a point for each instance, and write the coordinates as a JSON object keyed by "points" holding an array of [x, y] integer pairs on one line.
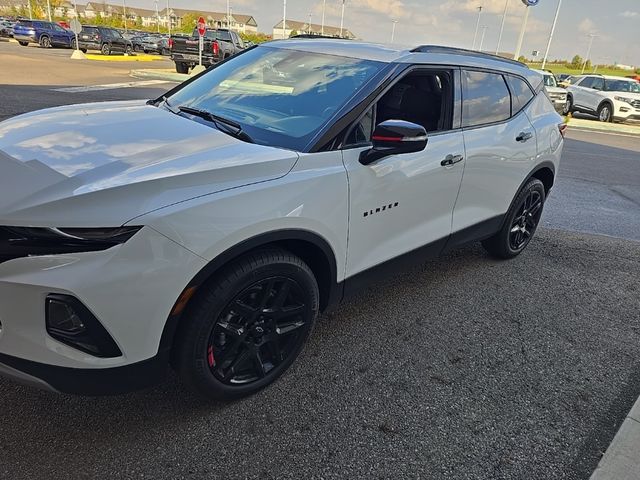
{"points": [[202, 26]]}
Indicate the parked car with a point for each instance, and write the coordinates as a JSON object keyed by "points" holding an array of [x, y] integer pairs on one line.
{"points": [[106, 40], [219, 44], [155, 44], [46, 34], [557, 95], [64, 25], [565, 80], [207, 228], [6, 28], [609, 98]]}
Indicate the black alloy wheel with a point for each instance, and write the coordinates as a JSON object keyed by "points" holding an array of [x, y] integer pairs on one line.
{"points": [[105, 49], [257, 331], [526, 221], [45, 42], [568, 106], [521, 222], [246, 326]]}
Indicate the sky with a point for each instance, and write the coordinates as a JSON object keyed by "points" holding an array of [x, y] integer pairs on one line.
{"points": [[452, 22]]}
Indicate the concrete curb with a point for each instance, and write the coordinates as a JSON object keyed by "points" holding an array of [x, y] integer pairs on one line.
{"points": [[158, 74], [593, 125], [621, 461]]}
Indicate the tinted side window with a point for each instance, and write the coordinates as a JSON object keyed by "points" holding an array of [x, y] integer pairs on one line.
{"points": [[586, 82], [598, 83], [521, 94], [485, 98]]}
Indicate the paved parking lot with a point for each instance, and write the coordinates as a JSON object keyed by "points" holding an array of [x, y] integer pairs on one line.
{"points": [[464, 368]]}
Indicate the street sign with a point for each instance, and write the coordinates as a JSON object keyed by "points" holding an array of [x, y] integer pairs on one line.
{"points": [[535, 53], [202, 26], [75, 26], [531, 3]]}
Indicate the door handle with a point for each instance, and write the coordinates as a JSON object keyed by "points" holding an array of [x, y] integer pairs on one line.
{"points": [[451, 159], [524, 136]]}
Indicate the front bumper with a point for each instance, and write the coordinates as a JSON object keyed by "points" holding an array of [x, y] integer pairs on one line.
{"points": [[86, 381], [130, 289]]}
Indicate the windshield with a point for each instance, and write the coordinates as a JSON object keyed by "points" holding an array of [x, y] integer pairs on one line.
{"points": [[621, 86], [280, 97], [550, 81]]}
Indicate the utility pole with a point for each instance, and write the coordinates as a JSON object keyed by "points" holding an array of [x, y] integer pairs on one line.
{"points": [[475, 35], [504, 17], [553, 29], [168, 18], [228, 15], [324, 5], [309, 25], [522, 30], [586, 58], [484, 31], [342, 19], [284, 20], [157, 15], [30, 12], [124, 14], [49, 9], [393, 30]]}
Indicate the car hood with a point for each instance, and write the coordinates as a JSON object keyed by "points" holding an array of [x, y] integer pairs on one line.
{"points": [[102, 164], [555, 90]]}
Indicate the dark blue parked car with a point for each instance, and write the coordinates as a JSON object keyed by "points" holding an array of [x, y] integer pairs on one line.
{"points": [[46, 34]]}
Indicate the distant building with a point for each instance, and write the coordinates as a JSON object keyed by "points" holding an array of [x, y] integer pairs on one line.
{"points": [[239, 23], [310, 29], [624, 67]]}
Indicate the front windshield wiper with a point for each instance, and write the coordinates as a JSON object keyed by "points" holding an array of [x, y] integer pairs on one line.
{"points": [[221, 123]]}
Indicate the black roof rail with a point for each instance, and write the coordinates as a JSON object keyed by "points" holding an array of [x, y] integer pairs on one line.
{"points": [[462, 51], [314, 36]]}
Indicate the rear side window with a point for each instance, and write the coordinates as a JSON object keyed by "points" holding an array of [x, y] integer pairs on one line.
{"points": [[485, 98], [521, 94], [90, 30], [586, 82]]}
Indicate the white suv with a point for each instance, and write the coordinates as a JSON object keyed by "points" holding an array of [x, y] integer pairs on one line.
{"points": [[206, 229], [609, 98]]}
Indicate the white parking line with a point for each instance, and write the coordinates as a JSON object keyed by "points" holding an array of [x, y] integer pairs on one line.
{"points": [[109, 86]]}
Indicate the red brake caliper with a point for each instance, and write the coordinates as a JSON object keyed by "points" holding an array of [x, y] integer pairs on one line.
{"points": [[212, 360]]}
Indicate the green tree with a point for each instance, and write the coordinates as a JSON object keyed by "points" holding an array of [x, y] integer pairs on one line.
{"points": [[189, 21], [522, 59], [293, 33], [576, 62]]}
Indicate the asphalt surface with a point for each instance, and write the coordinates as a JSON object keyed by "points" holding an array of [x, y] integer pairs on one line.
{"points": [[464, 368]]}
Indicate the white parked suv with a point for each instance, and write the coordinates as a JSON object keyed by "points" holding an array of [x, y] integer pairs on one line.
{"points": [[206, 229], [557, 95], [609, 98]]}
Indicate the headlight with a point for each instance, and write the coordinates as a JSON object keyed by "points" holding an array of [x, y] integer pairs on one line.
{"points": [[17, 242], [624, 99]]}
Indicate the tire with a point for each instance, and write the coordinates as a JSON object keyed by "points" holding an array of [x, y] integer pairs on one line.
{"points": [[73, 44], [45, 42], [605, 112], [524, 213], [182, 67], [136, 48], [164, 52], [24, 44], [128, 50], [105, 49], [83, 50], [568, 107], [247, 326]]}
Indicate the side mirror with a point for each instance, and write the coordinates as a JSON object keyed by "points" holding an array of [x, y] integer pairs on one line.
{"points": [[393, 137]]}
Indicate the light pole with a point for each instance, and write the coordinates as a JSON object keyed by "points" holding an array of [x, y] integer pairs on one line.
{"points": [[342, 19], [284, 19], [124, 14], [522, 30], [475, 35], [484, 31], [49, 9], [157, 15], [586, 58], [504, 17], [168, 18], [393, 30], [553, 29], [228, 15], [309, 25], [324, 5], [30, 12]]}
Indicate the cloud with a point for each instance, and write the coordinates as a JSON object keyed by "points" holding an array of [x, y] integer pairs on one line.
{"points": [[587, 26], [630, 14]]}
